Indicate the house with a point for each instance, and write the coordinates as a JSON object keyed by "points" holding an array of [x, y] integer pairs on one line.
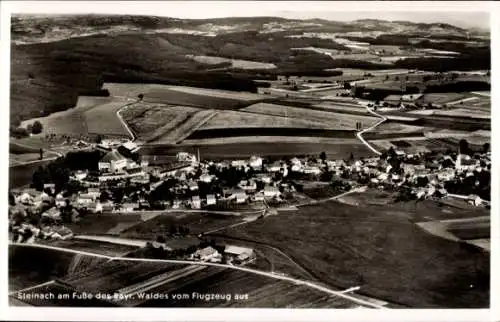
{"points": [[135, 172], [94, 192], [465, 162], [207, 178], [239, 163], [239, 254], [311, 170], [144, 179], [176, 204], [130, 146], [85, 199], [248, 186], [128, 207], [186, 157], [62, 233], [255, 162], [263, 177], [259, 196], [25, 198], [193, 186], [113, 161], [52, 213], [208, 254], [211, 200], [81, 175], [60, 200], [196, 202], [236, 194], [271, 192], [50, 187], [274, 167]]}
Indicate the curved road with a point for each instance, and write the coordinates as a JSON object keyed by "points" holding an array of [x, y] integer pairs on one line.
{"points": [[359, 134], [240, 268]]}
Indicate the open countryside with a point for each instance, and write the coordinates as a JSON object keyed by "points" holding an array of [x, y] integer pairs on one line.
{"points": [[249, 162]]}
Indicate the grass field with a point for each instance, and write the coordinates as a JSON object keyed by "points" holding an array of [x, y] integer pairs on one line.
{"points": [[150, 121], [328, 119], [185, 127], [44, 265], [236, 119], [102, 119], [102, 248], [104, 224], [345, 246], [90, 116], [196, 222], [235, 63], [335, 150]]}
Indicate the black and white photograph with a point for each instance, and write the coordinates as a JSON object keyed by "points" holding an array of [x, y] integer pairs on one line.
{"points": [[248, 155]]}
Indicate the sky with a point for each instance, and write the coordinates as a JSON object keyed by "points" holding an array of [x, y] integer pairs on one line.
{"points": [[462, 14]]}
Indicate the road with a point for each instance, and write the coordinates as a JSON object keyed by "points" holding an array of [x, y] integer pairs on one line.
{"points": [[314, 202], [132, 101], [240, 268], [359, 134]]}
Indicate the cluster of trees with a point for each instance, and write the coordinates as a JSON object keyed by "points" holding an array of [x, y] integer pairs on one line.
{"points": [[58, 171], [19, 132]]}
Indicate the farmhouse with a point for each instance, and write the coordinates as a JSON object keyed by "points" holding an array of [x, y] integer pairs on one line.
{"points": [[239, 254], [311, 170], [207, 254], [235, 194]]}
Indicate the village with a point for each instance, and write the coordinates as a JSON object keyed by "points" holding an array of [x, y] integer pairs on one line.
{"points": [[125, 183]]}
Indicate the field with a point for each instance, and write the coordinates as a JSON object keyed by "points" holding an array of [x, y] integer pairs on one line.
{"points": [[330, 120], [92, 116], [181, 95], [164, 123], [44, 265], [235, 63], [185, 128], [236, 119], [253, 146], [444, 98], [344, 245], [21, 175], [107, 224], [421, 144], [196, 222], [102, 119], [102, 248]]}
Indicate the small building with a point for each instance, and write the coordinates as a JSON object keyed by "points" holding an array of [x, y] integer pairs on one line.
{"points": [[208, 254], [207, 178], [62, 233], [81, 175], [274, 167], [196, 202], [248, 186], [271, 192], [186, 157], [239, 163], [50, 187], [255, 162], [264, 178], [239, 254], [192, 186], [128, 207], [211, 200], [52, 213], [130, 146], [311, 170]]}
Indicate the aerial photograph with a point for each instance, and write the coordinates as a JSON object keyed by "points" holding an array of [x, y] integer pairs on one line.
{"points": [[267, 159]]}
